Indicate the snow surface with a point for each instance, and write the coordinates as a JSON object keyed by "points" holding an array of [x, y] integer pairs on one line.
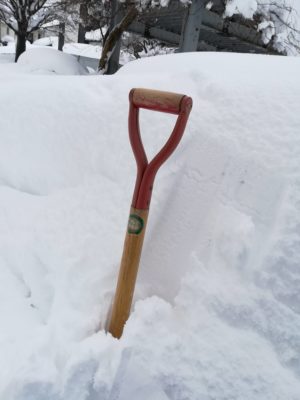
{"points": [[47, 41], [7, 39], [80, 49], [48, 64], [216, 312], [50, 61], [9, 49], [94, 51]]}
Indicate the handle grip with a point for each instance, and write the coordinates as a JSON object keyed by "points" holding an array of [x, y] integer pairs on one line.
{"points": [[157, 100]]}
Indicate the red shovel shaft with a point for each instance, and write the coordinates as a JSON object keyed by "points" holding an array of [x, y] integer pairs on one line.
{"points": [[158, 101]]}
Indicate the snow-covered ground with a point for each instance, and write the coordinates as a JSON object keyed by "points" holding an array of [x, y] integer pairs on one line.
{"points": [[216, 313], [46, 60], [79, 49], [151, 48]]}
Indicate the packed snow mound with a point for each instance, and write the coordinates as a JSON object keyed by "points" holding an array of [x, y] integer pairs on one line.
{"points": [[216, 313], [242, 66], [48, 41], [7, 39], [9, 49], [50, 61]]}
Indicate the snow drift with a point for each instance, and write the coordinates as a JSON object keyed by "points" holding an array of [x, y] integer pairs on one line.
{"points": [[50, 61], [216, 314]]}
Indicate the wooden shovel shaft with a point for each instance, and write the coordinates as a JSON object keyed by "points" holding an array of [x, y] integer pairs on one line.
{"points": [[128, 271]]}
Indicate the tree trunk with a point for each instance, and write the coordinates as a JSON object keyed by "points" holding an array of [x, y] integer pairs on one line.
{"points": [[83, 11], [113, 37], [114, 57], [61, 36], [21, 45]]}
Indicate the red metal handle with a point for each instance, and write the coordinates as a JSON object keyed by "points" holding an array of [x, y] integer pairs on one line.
{"points": [[159, 101]]}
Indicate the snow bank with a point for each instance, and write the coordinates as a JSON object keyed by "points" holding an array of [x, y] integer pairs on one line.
{"points": [[216, 312], [51, 41], [9, 49], [50, 61], [6, 57], [7, 39]]}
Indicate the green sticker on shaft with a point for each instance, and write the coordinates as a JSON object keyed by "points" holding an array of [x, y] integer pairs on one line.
{"points": [[135, 224]]}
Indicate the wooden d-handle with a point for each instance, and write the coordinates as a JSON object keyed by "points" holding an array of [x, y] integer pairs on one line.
{"points": [[157, 100]]}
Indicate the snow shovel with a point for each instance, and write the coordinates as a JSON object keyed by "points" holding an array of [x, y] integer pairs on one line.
{"points": [[157, 101]]}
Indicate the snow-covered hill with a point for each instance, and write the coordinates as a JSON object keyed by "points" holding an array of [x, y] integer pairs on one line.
{"points": [[217, 310]]}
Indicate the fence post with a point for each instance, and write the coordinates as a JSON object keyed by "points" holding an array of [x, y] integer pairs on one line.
{"points": [[191, 27]]}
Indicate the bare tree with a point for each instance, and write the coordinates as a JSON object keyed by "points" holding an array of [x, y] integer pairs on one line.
{"points": [[25, 17], [130, 10]]}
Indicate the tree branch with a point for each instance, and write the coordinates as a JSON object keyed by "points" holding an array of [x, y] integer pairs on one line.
{"points": [[115, 35]]}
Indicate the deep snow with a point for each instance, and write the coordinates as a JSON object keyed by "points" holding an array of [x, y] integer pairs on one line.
{"points": [[45, 60], [217, 310]]}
